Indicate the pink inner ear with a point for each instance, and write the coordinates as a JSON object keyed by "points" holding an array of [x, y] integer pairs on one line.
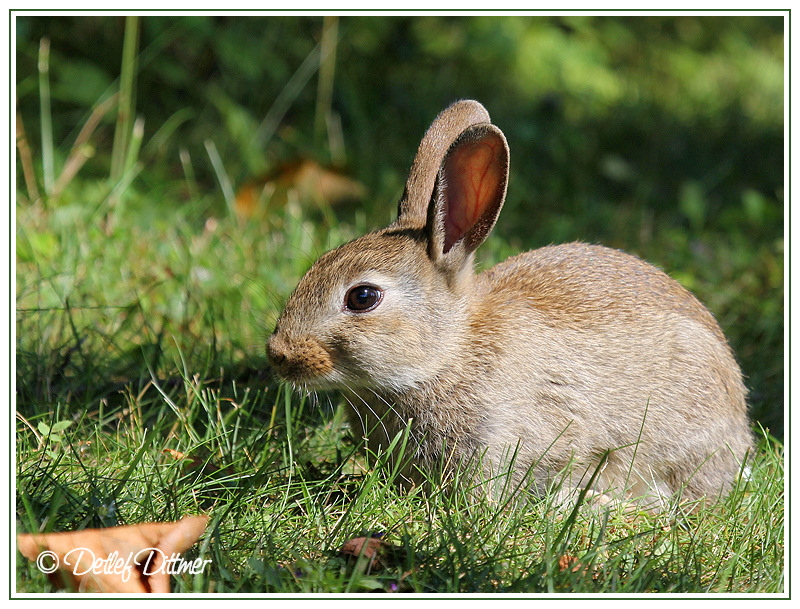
{"points": [[473, 174]]}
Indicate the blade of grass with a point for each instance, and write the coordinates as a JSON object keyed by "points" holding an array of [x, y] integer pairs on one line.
{"points": [[26, 160], [125, 478], [569, 523], [222, 177], [45, 114], [136, 143], [287, 404], [287, 95], [188, 172], [127, 98], [166, 131], [327, 65], [113, 197], [81, 151]]}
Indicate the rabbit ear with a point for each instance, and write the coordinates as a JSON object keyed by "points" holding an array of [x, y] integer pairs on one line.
{"points": [[470, 190], [445, 129]]}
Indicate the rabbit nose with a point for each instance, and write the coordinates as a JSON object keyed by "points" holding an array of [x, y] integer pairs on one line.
{"points": [[277, 352], [298, 359]]}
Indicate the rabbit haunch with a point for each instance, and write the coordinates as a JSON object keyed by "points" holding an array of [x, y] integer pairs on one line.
{"points": [[563, 356]]}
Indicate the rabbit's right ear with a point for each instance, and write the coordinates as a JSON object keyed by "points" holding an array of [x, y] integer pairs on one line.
{"points": [[445, 129], [457, 183], [470, 190]]}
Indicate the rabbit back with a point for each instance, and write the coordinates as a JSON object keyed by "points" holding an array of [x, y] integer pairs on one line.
{"points": [[604, 352]]}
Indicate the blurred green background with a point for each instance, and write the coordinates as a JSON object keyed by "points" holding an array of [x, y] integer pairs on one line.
{"points": [[661, 135]]}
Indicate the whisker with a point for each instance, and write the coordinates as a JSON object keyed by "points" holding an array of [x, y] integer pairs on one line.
{"points": [[401, 421], [378, 418], [358, 414]]}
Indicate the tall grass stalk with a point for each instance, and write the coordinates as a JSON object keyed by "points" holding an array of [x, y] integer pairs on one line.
{"points": [[46, 116], [222, 177], [127, 98], [81, 150], [188, 172], [327, 66], [26, 160], [288, 94], [137, 135]]}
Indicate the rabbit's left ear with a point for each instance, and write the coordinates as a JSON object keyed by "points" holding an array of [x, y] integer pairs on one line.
{"points": [[469, 192]]}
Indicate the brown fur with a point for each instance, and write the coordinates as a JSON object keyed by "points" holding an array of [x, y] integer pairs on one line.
{"points": [[564, 356]]}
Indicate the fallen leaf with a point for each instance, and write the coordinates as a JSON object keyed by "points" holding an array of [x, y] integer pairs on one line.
{"points": [[566, 561], [135, 558], [304, 178], [376, 551], [177, 455]]}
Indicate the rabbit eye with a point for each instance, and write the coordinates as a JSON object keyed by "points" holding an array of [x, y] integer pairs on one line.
{"points": [[363, 298]]}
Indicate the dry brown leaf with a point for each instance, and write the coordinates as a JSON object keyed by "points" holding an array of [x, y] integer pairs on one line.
{"points": [[177, 455], [566, 561], [135, 558], [306, 179], [377, 552]]}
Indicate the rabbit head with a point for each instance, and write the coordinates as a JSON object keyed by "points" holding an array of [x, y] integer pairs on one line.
{"points": [[385, 311]]}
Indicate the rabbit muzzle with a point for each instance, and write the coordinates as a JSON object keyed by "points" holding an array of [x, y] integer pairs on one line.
{"points": [[298, 361]]}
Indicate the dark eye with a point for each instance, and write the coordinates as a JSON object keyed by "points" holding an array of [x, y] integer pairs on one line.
{"points": [[363, 298]]}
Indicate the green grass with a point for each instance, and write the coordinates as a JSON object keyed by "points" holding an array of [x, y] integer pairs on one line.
{"points": [[159, 351], [143, 304]]}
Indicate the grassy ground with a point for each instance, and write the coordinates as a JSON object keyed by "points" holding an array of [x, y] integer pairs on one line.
{"points": [[146, 399], [143, 302]]}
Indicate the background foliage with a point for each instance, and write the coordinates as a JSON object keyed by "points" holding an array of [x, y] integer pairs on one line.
{"points": [[660, 135]]}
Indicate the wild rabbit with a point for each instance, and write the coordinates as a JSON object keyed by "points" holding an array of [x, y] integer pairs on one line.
{"points": [[570, 355]]}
